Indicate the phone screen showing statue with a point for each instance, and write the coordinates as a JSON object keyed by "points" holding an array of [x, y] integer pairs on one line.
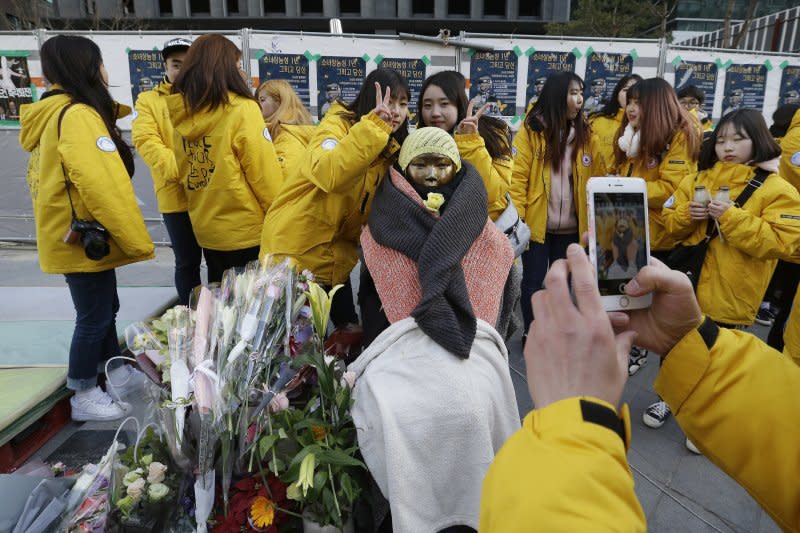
{"points": [[620, 230]]}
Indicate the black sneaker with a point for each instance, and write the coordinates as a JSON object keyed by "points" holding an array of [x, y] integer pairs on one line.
{"points": [[636, 359], [656, 415], [765, 317]]}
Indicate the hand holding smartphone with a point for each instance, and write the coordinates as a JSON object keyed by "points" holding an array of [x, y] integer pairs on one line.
{"points": [[619, 238]]}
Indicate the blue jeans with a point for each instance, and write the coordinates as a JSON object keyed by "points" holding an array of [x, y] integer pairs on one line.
{"points": [[535, 263], [188, 253], [94, 340]]}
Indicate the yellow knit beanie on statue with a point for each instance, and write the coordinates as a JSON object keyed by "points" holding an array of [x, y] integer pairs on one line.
{"points": [[429, 140]]}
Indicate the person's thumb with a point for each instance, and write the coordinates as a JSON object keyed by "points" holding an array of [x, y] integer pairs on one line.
{"points": [[658, 278]]}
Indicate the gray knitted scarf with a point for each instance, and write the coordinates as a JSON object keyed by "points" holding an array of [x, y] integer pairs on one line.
{"points": [[437, 246]]}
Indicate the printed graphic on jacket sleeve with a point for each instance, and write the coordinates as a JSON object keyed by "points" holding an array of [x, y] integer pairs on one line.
{"points": [[201, 167]]}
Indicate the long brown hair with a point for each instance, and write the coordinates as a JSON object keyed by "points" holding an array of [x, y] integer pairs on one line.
{"points": [[210, 70], [661, 117]]}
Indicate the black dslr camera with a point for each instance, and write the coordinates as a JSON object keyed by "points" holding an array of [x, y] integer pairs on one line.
{"points": [[92, 236]]}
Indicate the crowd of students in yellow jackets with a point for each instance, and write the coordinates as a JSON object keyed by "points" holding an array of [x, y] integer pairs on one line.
{"points": [[255, 178]]}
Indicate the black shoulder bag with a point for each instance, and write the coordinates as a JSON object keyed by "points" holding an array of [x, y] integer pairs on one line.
{"points": [[689, 259]]}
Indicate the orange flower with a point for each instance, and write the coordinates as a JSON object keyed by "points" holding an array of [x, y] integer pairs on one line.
{"points": [[319, 432], [262, 512]]}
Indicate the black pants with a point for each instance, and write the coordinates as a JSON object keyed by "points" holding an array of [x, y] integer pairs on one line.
{"points": [[188, 253], [535, 263], [219, 261], [343, 310], [781, 293]]}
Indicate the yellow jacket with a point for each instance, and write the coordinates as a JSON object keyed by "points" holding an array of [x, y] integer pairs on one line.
{"points": [[496, 173], [791, 335], [227, 163], [101, 189], [530, 181], [317, 217], [662, 178], [560, 473], [290, 147], [738, 403], [604, 137], [152, 136], [790, 153], [736, 271]]}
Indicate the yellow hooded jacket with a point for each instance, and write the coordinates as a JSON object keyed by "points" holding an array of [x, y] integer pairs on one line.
{"points": [[736, 271], [737, 401], [152, 135], [101, 189], [317, 217], [662, 178], [290, 147], [531, 487], [604, 137], [790, 153], [530, 181], [227, 163], [496, 173]]}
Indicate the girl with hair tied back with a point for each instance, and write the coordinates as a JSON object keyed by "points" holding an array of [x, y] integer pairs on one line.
{"points": [[79, 177], [289, 122], [226, 159]]}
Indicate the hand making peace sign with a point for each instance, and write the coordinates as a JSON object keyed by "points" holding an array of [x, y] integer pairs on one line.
{"points": [[470, 123], [382, 103]]}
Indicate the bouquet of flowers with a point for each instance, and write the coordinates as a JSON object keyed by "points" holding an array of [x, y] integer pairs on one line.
{"points": [[145, 487], [312, 446]]}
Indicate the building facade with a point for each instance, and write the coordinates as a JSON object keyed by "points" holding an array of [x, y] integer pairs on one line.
{"points": [[358, 16]]}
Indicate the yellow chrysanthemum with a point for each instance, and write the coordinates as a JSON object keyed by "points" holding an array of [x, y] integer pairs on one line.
{"points": [[262, 511]]}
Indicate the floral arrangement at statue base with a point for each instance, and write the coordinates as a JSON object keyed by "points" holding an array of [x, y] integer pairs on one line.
{"points": [[246, 396]]}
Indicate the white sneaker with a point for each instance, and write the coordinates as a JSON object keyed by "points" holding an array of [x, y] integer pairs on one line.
{"points": [[124, 381], [692, 448], [94, 405]]}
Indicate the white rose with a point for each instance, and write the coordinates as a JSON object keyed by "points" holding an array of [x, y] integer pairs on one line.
{"points": [[157, 472], [136, 489]]}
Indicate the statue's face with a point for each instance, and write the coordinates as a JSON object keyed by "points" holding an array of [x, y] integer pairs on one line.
{"points": [[431, 170]]}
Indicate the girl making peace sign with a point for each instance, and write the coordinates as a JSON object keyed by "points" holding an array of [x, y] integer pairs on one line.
{"points": [[318, 214]]}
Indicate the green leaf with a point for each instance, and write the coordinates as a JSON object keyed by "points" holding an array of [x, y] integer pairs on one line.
{"points": [[282, 434], [677, 61], [783, 65], [320, 478], [530, 51], [317, 56], [634, 54], [378, 58], [266, 443], [768, 64], [260, 53], [366, 58], [338, 457], [518, 51], [470, 52], [308, 55], [577, 53], [277, 465], [426, 60]]}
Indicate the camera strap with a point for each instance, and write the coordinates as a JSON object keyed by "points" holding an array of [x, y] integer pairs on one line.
{"points": [[67, 183]]}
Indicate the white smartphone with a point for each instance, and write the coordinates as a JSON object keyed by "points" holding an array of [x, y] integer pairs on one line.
{"points": [[619, 237]]}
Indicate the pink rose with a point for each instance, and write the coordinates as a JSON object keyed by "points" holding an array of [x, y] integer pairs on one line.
{"points": [[279, 403]]}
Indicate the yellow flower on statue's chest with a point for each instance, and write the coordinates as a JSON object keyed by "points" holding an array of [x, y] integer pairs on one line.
{"points": [[434, 202]]}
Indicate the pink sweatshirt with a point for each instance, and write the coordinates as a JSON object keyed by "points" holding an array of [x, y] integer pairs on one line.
{"points": [[561, 214]]}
